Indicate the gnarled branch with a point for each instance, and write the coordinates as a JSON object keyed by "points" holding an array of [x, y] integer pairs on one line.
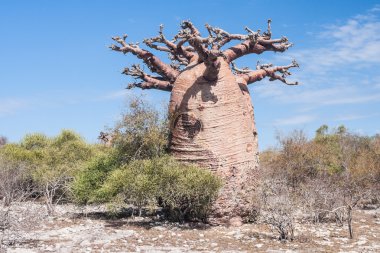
{"points": [[177, 52], [221, 37], [257, 43], [152, 61], [149, 85], [189, 47], [266, 70], [192, 35], [149, 82]]}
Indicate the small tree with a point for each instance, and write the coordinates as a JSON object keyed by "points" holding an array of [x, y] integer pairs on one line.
{"points": [[14, 181], [278, 206], [3, 140], [141, 133], [62, 157], [50, 163]]}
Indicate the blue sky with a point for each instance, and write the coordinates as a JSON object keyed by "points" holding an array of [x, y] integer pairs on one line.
{"points": [[56, 70]]}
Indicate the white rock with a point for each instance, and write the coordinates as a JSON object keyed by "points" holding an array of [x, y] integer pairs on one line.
{"points": [[214, 244]]}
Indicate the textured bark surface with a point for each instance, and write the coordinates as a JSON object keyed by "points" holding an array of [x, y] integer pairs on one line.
{"points": [[213, 125]]}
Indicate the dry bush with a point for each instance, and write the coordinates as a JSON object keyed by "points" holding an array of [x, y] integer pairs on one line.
{"points": [[328, 176], [15, 188], [14, 183], [278, 207]]}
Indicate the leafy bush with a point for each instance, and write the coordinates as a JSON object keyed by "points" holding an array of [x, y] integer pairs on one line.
{"points": [[92, 176], [134, 183], [50, 162], [142, 133], [184, 191], [187, 192]]}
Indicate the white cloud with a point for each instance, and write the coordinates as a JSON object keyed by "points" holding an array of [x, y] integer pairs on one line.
{"points": [[340, 71], [115, 95], [296, 120], [11, 105], [376, 8], [350, 117], [353, 99], [56, 98], [355, 42], [316, 97]]}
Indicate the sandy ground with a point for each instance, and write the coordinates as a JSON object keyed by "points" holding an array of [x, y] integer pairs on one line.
{"points": [[80, 230]]}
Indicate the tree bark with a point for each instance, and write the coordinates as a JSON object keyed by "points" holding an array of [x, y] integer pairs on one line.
{"points": [[212, 125]]}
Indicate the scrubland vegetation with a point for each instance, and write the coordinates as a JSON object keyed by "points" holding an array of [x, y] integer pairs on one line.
{"points": [[325, 177], [322, 179], [134, 171]]}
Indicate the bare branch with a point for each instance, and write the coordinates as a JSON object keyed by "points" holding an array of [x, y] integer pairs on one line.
{"points": [[179, 53], [149, 82], [266, 70], [187, 24], [148, 85], [221, 37], [153, 62], [161, 39], [256, 43], [245, 70], [206, 50], [268, 33]]}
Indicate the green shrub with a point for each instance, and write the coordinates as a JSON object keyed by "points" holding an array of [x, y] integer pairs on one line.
{"points": [[50, 162], [185, 192], [142, 133], [135, 183], [92, 176]]}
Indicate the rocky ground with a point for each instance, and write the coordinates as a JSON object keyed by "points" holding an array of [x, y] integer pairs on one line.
{"points": [[89, 230]]}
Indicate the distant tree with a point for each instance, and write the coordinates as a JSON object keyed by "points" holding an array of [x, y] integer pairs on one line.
{"points": [[3, 140], [341, 129], [322, 130], [61, 158], [50, 162]]}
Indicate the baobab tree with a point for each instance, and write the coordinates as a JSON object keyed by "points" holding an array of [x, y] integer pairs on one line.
{"points": [[211, 114]]}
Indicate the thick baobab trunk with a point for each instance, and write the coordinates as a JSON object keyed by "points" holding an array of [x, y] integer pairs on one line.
{"points": [[213, 126], [212, 121]]}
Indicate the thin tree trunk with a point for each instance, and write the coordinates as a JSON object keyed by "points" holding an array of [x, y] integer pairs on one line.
{"points": [[349, 221]]}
